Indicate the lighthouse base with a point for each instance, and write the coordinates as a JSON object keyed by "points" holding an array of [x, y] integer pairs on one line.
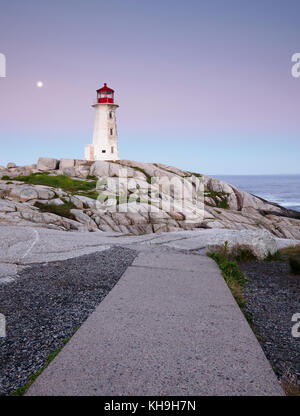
{"points": [[92, 155], [89, 153]]}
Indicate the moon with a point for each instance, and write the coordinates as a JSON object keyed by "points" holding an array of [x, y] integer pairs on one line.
{"points": [[40, 84]]}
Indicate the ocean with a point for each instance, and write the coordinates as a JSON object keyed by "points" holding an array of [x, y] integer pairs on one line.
{"points": [[282, 189]]}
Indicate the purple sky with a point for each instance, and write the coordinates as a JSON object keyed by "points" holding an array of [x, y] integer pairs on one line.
{"points": [[202, 85]]}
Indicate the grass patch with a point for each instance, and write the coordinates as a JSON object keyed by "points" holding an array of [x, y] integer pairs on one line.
{"points": [[22, 390], [6, 178], [91, 194], [293, 251], [245, 255], [232, 274], [61, 210], [277, 256], [59, 181], [222, 204], [292, 256], [40, 174]]}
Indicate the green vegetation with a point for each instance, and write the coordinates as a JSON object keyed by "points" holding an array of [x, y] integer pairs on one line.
{"points": [[196, 174], [277, 256], [74, 186], [223, 204], [90, 194], [22, 390], [232, 274], [236, 282], [291, 251], [292, 256], [294, 264], [245, 255], [58, 181], [220, 198], [6, 178], [148, 177], [61, 210], [162, 168]]}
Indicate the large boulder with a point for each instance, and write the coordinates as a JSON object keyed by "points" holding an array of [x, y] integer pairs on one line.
{"points": [[66, 163], [83, 218], [173, 170], [44, 192], [144, 169], [68, 171], [46, 163], [100, 169], [259, 242], [7, 206], [89, 202], [116, 170], [77, 202], [81, 162], [23, 193], [30, 169], [82, 171], [57, 202], [11, 165]]}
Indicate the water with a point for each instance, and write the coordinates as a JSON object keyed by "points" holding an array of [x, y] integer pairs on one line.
{"points": [[282, 189]]}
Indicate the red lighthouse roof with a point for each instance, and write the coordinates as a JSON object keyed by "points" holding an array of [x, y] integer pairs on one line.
{"points": [[105, 95], [105, 88]]}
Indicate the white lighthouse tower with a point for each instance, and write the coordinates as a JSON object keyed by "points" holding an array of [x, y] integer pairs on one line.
{"points": [[105, 137]]}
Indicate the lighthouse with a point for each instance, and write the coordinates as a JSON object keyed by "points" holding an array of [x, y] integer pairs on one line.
{"points": [[105, 137]]}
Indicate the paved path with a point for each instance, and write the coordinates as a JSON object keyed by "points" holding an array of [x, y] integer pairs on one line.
{"points": [[169, 327], [20, 245]]}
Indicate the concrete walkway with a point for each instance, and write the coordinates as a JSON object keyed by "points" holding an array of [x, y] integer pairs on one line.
{"points": [[169, 327]]}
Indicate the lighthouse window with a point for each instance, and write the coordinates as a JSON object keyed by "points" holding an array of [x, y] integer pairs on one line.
{"points": [[105, 95], [110, 114], [103, 151], [111, 132], [112, 149]]}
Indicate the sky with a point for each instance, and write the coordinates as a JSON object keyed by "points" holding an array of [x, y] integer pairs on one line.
{"points": [[203, 85]]}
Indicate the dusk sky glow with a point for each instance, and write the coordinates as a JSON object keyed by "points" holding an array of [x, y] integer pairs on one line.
{"points": [[202, 85]]}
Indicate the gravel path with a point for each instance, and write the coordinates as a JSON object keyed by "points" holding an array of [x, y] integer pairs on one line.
{"points": [[47, 303], [273, 297]]}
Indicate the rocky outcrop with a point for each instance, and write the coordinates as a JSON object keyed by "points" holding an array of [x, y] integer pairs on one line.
{"points": [[46, 163], [259, 242], [66, 163], [11, 165], [135, 198]]}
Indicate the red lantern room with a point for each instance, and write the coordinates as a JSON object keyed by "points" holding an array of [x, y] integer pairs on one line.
{"points": [[105, 95]]}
